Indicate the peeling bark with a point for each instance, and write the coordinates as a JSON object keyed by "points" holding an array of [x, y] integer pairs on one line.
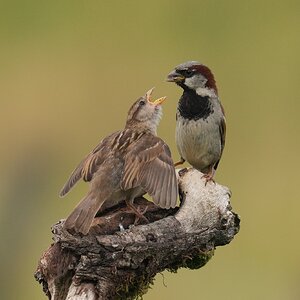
{"points": [[117, 260]]}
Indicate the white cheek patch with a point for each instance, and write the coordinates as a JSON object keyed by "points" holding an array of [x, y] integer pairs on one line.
{"points": [[197, 83], [192, 82], [205, 92]]}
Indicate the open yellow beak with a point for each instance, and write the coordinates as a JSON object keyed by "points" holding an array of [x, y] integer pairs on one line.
{"points": [[157, 101], [149, 93]]}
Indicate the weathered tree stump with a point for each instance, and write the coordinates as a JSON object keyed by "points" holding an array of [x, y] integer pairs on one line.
{"points": [[117, 260]]}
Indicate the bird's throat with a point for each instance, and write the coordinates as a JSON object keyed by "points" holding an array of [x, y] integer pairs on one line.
{"points": [[192, 106]]}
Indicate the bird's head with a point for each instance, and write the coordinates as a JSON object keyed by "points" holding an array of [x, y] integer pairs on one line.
{"points": [[145, 114], [193, 75]]}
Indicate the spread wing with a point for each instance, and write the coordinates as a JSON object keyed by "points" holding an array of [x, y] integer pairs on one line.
{"points": [[90, 164], [148, 164]]}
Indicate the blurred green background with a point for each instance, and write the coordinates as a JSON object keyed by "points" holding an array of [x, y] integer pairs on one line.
{"points": [[69, 71]]}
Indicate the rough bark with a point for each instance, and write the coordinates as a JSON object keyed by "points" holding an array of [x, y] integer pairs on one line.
{"points": [[117, 260]]}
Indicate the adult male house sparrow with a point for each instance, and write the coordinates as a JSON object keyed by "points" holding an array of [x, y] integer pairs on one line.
{"points": [[200, 118], [125, 165]]}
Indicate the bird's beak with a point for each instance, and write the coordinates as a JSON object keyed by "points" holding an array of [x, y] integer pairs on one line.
{"points": [[175, 77], [155, 102], [159, 101], [149, 93]]}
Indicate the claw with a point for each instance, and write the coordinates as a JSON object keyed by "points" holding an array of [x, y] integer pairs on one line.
{"points": [[208, 178], [138, 214], [182, 172], [141, 215]]}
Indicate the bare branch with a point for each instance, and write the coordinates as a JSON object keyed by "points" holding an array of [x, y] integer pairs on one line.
{"points": [[113, 263]]}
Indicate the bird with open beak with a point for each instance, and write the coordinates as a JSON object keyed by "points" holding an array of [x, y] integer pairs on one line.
{"points": [[200, 118], [125, 165]]}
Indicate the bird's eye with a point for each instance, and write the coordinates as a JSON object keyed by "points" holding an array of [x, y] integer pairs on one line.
{"points": [[189, 72], [142, 102]]}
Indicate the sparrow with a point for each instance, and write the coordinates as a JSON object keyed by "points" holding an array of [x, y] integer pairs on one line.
{"points": [[200, 118], [125, 165]]}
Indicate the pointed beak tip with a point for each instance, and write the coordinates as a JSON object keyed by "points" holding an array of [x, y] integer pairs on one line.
{"points": [[174, 77], [149, 93], [170, 77], [159, 101]]}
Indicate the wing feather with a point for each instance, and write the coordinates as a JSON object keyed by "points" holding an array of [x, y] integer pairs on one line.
{"points": [[149, 164], [90, 164], [222, 130], [223, 133]]}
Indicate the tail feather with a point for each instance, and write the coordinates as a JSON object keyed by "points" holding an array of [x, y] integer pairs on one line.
{"points": [[81, 218]]}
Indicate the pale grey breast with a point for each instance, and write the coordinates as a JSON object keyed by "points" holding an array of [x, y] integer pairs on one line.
{"points": [[196, 141]]}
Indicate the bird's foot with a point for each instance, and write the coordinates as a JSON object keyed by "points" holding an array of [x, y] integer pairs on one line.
{"points": [[179, 162], [208, 178], [182, 172], [139, 214]]}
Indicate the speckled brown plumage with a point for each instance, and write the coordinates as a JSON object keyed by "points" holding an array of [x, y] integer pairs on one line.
{"points": [[125, 165]]}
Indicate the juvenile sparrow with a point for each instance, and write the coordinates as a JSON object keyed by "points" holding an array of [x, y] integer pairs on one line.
{"points": [[200, 118], [125, 165]]}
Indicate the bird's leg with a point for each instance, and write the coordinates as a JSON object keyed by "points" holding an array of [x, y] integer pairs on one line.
{"points": [[139, 215], [182, 160], [209, 176]]}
